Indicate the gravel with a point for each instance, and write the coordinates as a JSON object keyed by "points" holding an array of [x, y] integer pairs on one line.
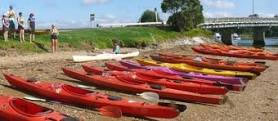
{"points": [[258, 102]]}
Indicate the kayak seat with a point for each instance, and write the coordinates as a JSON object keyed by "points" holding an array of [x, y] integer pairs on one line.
{"points": [[178, 81], [188, 78], [27, 108], [218, 70], [114, 98], [154, 86], [180, 107], [76, 90]]}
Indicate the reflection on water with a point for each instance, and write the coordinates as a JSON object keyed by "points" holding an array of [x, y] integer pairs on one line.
{"points": [[246, 42]]}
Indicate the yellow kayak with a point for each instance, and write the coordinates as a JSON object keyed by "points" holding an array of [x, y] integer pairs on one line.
{"points": [[188, 68]]}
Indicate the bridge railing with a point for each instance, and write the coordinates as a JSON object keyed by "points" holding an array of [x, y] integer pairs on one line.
{"points": [[243, 19]]}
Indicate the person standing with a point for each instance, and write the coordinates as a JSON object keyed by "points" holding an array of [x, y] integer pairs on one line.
{"points": [[6, 24], [12, 16], [32, 27], [21, 26], [54, 38]]}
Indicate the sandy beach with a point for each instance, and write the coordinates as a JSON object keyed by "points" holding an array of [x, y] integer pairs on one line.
{"points": [[258, 102]]}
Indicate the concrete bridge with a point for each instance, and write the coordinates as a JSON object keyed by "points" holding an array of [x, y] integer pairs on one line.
{"points": [[227, 25]]}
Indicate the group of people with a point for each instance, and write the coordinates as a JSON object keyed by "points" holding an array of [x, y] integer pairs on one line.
{"points": [[10, 19]]}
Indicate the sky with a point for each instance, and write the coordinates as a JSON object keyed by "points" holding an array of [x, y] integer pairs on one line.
{"points": [[75, 13]]}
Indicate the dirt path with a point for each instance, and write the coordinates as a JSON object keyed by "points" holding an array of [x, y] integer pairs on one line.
{"points": [[258, 102]]}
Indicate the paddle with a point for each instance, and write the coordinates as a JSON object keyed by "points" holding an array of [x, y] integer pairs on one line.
{"points": [[109, 111], [31, 98], [151, 96], [86, 87]]}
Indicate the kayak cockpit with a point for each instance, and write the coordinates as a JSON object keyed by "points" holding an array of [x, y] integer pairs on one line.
{"points": [[29, 109], [76, 91]]}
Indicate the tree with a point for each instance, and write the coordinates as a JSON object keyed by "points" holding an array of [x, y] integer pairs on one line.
{"points": [[186, 14], [149, 16]]}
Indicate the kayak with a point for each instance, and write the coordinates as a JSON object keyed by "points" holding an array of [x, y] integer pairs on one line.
{"points": [[187, 68], [231, 47], [16, 109], [104, 56], [125, 65], [240, 53], [173, 84], [211, 63], [81, 97], [121, 84], [231, 83]]}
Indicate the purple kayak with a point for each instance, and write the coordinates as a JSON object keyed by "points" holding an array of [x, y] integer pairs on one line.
{"points": [[223, 79]]}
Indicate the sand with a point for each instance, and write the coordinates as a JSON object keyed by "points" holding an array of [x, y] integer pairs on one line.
{"points": [[259, 102]]}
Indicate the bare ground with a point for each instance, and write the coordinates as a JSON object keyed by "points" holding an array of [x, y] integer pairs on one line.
{"points": [[259, 102]]}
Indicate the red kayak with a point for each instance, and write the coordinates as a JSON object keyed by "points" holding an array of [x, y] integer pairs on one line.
{"points": [[118, 83], [174, 84], [160, 74], [240, 53], [77, 96], [16, 109], [212, 63], [154, 73]]}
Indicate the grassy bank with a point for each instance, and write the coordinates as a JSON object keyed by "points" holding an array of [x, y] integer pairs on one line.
{"points": [[101, 38]]}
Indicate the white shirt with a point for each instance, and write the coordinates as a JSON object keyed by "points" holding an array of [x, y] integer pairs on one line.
{"points": [[11, 14]]}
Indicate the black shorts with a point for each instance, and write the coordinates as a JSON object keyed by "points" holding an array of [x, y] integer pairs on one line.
{"points": [[32, 29], [5, 29], [54, 36], [20, 28], [12, 26]]}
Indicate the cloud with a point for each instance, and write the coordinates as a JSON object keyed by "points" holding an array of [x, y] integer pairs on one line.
{"points": [[89, 2], [221, 4]]}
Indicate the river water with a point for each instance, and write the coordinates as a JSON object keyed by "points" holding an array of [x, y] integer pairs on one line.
{"points": [[272, 42]]}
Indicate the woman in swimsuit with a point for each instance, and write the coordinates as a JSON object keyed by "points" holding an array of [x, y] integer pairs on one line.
{"points": [[21, 24], [12, 16], [6, 25], [54, 38], [32, 27]]}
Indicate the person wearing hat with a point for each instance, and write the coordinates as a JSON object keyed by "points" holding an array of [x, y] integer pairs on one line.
{"points": [[12, 16], [54, 38], [21, 26], [6, 24], [32, 27]]}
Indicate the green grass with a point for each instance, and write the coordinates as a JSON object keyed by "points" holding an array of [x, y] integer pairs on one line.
{"points": [[84, 39]]}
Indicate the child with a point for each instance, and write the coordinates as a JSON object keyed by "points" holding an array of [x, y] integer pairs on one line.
{"points": [[6, 24], [21, 24], [54, 38], [116, 46], [32, 27]]}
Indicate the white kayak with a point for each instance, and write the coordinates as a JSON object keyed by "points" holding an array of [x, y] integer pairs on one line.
{"points": [[104, 56]]}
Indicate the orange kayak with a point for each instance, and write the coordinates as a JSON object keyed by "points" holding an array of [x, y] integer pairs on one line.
{"points": [[240, 53], [231, 47], [210, 62]]}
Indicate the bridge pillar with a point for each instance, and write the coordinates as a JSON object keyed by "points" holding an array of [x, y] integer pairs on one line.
{"points": [[226, 37], [259, 37]]}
